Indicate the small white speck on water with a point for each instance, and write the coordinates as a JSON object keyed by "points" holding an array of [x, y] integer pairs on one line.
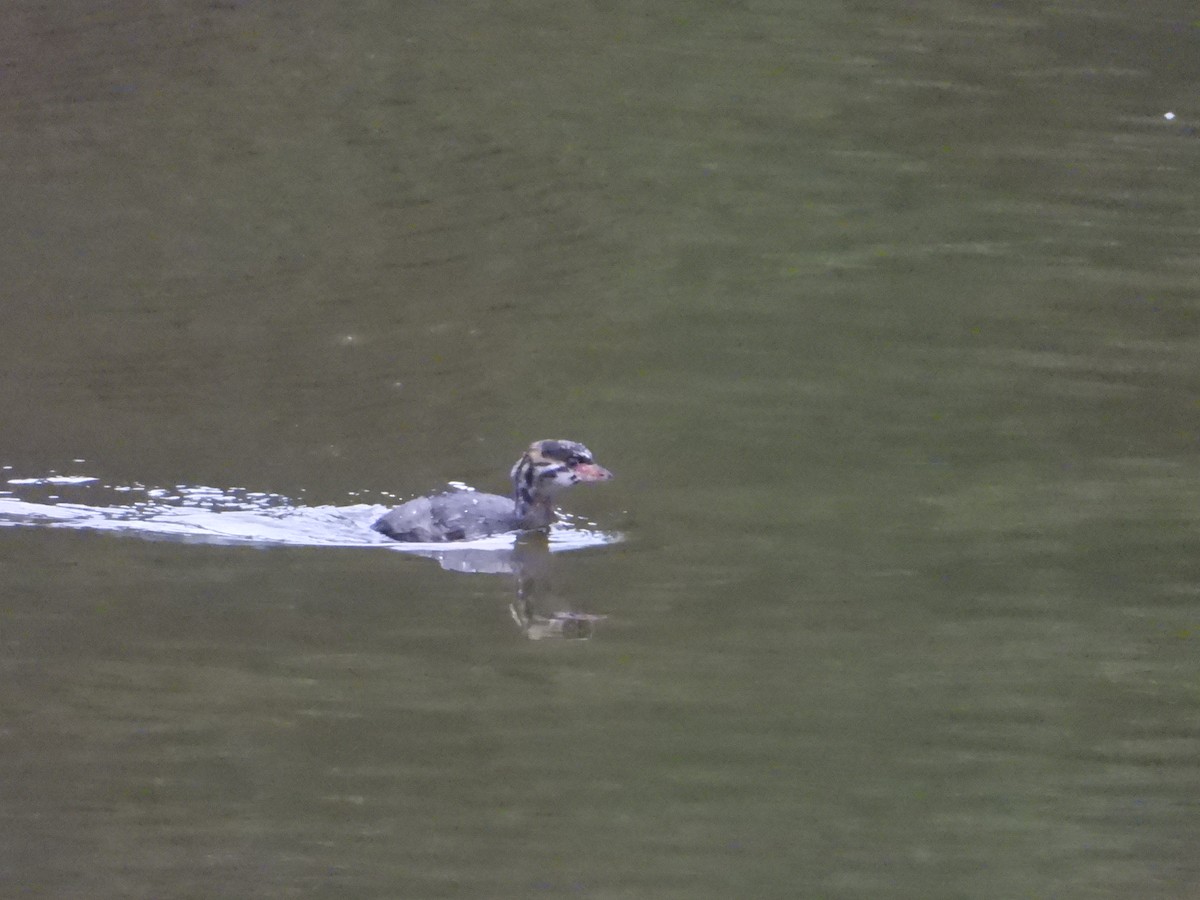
{"points": [[55, 479], [1168, 116]]}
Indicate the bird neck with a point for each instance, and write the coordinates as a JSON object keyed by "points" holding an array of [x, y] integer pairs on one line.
{"points": [[533, 508], [534, 512]]}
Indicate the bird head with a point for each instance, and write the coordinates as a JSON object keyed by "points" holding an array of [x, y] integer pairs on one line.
{"points": [[549, 466]]}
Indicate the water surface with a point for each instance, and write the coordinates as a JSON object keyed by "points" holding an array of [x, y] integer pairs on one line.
{"points": [[884, 316]]}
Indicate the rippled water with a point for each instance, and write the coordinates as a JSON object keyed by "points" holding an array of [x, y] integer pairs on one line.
{"points": [[201, 514], [884, 316]]}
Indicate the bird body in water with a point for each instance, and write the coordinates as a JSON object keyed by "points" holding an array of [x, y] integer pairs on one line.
{"points": [[545, 469]]}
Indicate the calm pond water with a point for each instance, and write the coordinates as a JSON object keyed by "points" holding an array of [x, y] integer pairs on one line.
{"points": [[884, 315]]}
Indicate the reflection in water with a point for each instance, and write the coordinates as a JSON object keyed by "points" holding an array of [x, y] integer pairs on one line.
{"points": [[201, 514], [534, 609], [529, 558]]}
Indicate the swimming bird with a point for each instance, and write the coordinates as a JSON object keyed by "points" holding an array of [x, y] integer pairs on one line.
{"points": [[543, 470]]}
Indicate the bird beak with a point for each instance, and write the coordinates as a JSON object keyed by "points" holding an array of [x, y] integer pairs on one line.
{"points": [[591, 472]]}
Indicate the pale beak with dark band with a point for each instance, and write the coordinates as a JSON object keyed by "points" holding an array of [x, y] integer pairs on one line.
{"points": [[591, 472]]}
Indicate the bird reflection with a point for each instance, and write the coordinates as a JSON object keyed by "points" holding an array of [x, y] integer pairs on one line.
{"points": [[537, 609]]}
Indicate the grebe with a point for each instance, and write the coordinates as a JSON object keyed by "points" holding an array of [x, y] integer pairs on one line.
{"points": [[542, 471]]}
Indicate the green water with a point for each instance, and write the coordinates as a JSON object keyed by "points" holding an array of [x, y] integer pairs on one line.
{"points": [[885, 316]]}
